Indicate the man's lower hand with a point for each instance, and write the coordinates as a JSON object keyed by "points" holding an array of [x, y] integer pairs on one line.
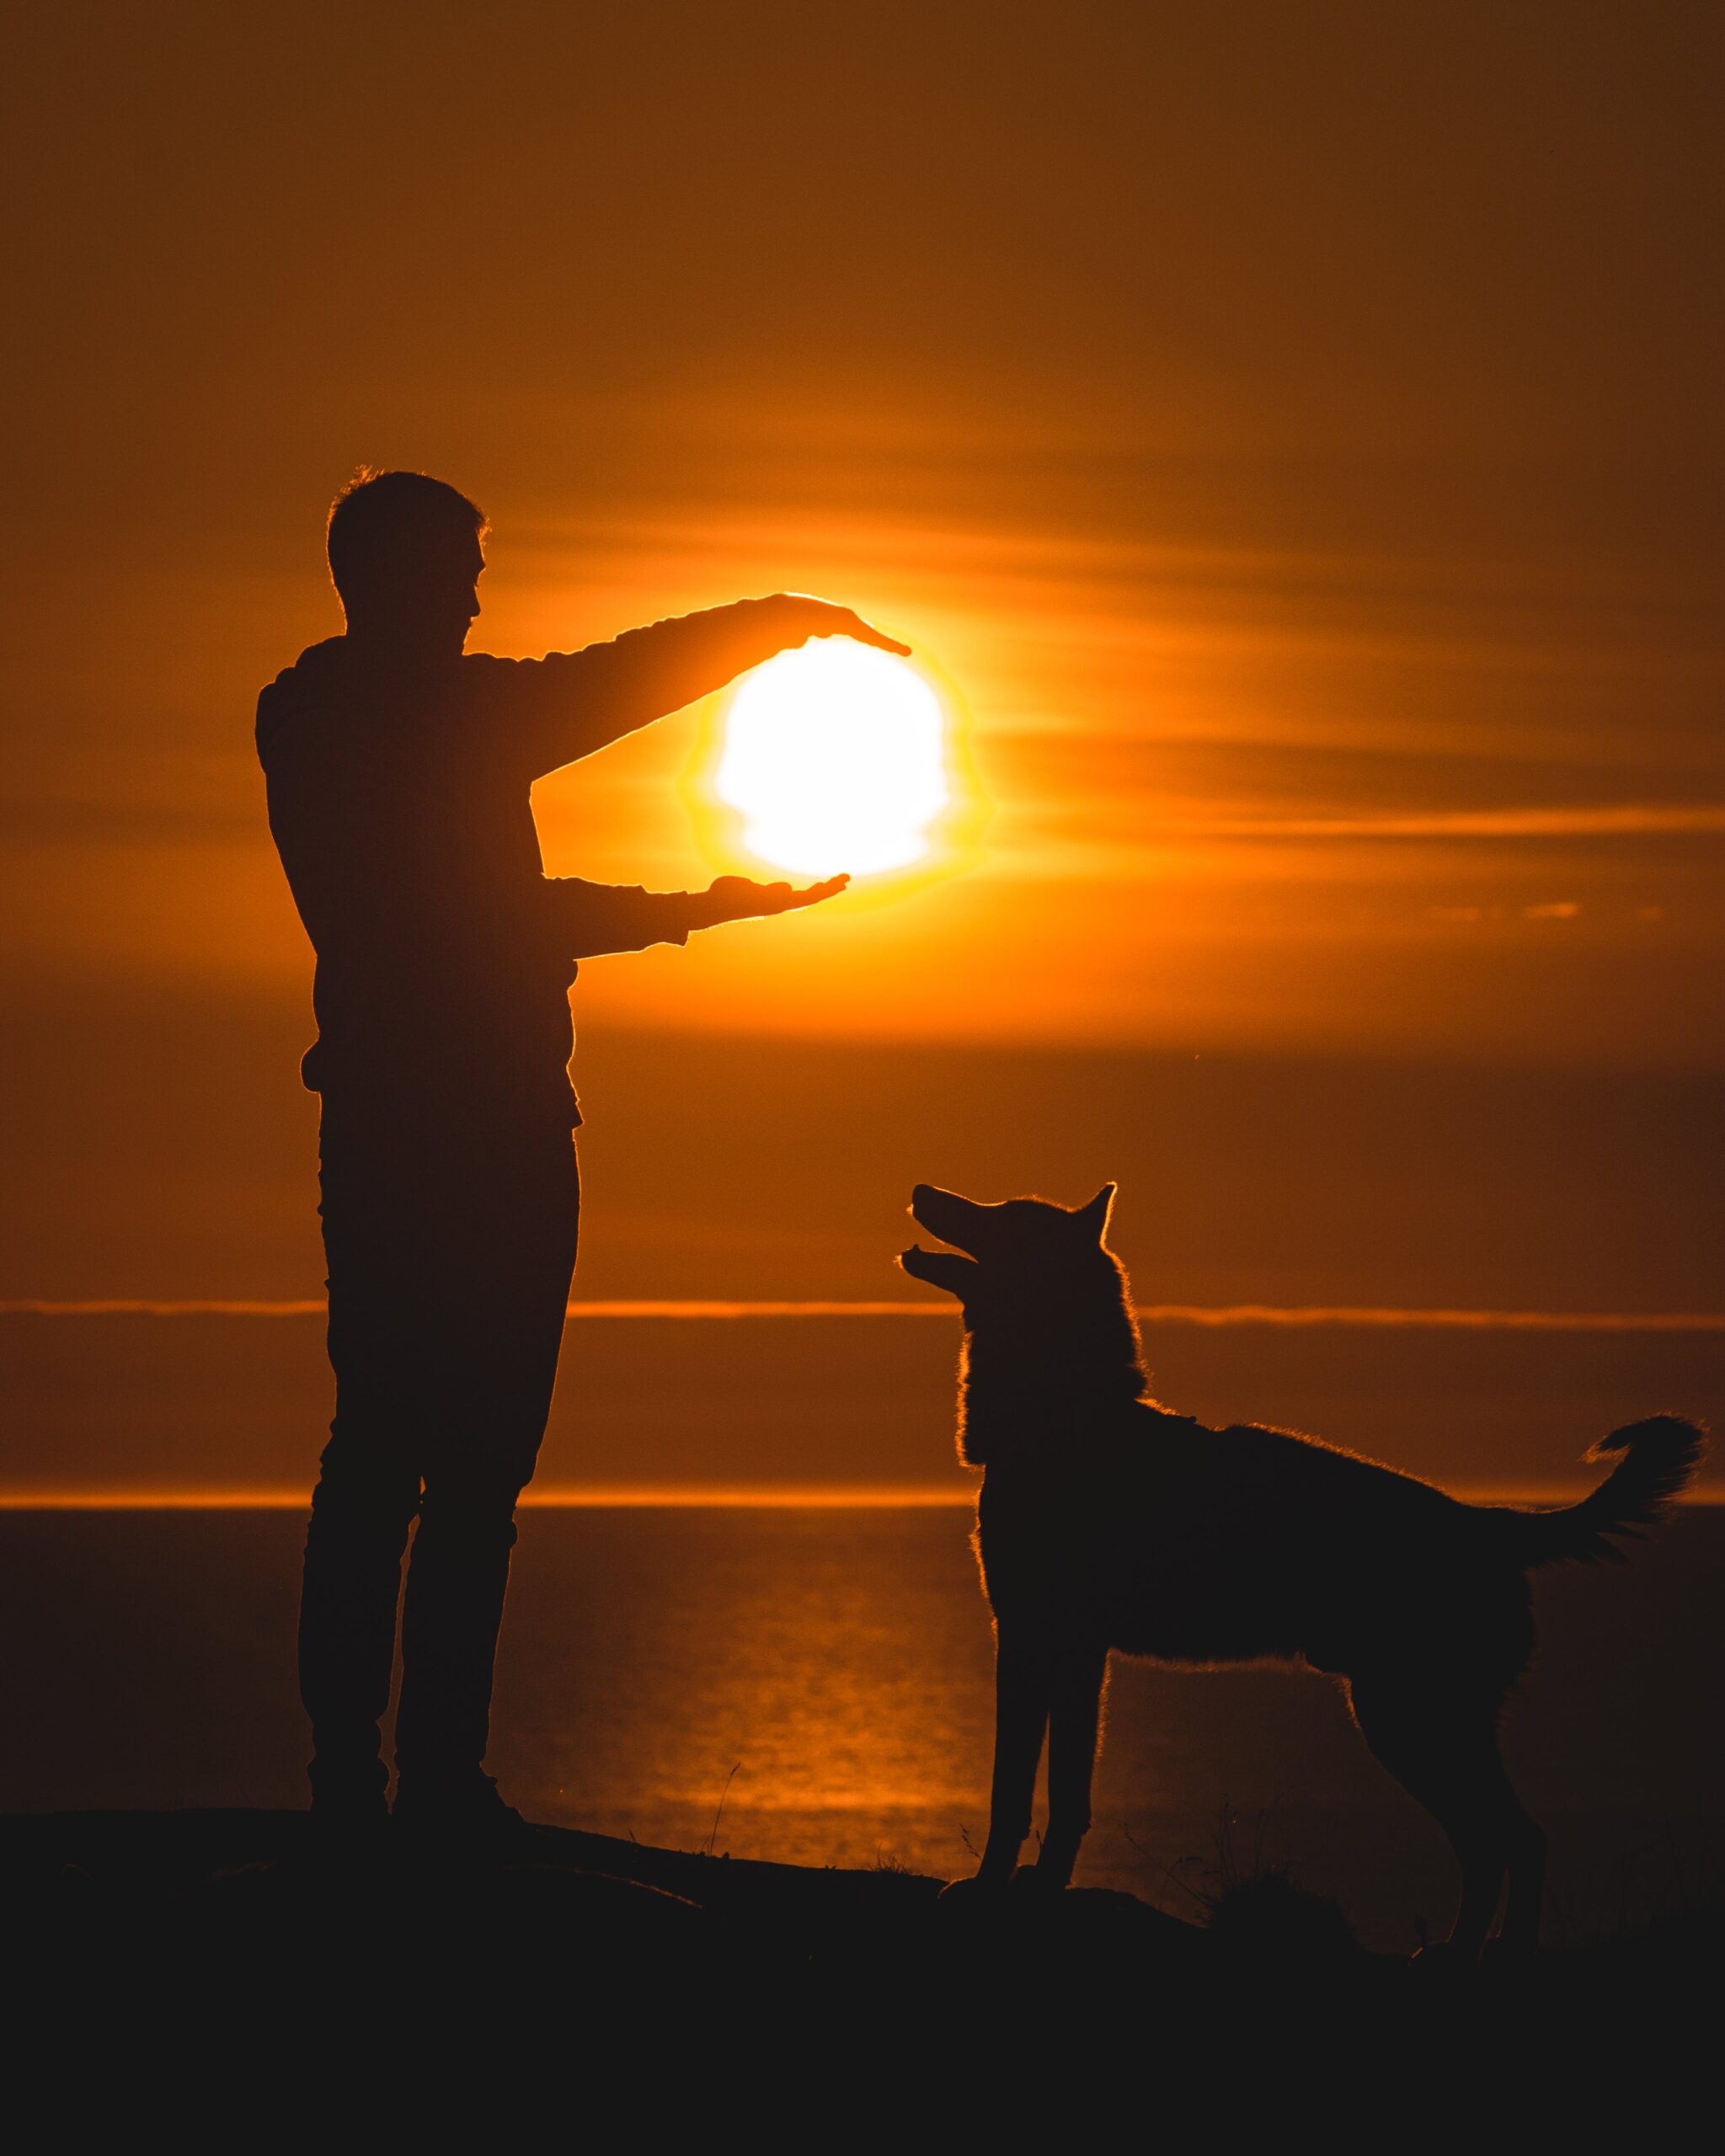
{"points": [[736, 898]]}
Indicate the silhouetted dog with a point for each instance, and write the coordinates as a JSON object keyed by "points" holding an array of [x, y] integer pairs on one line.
{"points": [[1106, 1522]]}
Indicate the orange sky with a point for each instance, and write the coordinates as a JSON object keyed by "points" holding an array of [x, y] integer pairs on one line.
{"points": [[1295, 430]]}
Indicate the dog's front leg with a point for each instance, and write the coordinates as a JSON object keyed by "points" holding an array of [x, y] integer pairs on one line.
{"points": [[1079, 1676], [1021, 1706]]}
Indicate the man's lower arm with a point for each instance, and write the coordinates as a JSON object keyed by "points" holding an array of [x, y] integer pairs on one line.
{"points": [[598, 918]]}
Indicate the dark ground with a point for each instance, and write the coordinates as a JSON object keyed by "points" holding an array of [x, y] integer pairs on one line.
{"points": [[223, 1955]]}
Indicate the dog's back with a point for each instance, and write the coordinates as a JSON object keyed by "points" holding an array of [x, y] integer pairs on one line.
{"points": [[1202, 1546]]}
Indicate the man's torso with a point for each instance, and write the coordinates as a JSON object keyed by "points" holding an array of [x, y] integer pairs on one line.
{"points": [[400, 805]]}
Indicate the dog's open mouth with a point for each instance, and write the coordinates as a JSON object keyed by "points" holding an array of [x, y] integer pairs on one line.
{"points": [[951, 1268], [941, 1212], [917, 1251]]}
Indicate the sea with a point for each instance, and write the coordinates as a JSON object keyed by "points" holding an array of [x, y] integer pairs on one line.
{"points": [[811, 1683]]}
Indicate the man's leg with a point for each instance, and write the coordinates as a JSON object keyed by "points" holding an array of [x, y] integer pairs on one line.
{"points": [[453, 1610], [497, 1369], [368, 1487], [362, 1511]]}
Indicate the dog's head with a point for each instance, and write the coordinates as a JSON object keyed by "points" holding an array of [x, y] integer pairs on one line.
{"points": [[1008, 1252]]}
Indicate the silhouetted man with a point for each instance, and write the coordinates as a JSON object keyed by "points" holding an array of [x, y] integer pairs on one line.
{"points": [[398, 771]]}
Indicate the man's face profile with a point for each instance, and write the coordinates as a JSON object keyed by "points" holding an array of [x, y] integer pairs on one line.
{"points": [[451, 590], [427, 596]]}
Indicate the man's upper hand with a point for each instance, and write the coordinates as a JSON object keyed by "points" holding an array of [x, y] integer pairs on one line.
{"points": [[799, 617], [736, 898]]}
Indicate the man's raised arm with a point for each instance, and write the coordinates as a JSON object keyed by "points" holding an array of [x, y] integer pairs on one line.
{"points": [[565, 707]]}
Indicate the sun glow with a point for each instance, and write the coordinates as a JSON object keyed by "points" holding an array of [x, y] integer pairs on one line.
{"points": [[835, 758]]}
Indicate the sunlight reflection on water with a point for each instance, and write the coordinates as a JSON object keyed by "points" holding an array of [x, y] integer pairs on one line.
{"points": [[841, 1662]]}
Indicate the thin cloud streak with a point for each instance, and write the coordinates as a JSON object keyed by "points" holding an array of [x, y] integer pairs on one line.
{"points": [[1627, 820], [555, 1496], [599, 1496], [1201, 1315]]}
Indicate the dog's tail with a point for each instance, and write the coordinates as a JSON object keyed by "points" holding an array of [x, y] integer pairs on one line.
{"points": [[1660, 1456]]}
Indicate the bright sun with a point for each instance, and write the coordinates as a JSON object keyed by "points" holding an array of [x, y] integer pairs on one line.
{"points": [[835, 756]]}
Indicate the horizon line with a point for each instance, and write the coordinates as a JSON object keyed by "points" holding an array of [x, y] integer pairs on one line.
{"points": [[1200, 1314], [695, 1496]]}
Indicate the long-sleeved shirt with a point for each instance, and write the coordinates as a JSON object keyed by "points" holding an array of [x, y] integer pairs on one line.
{"points": [[398, 798]]}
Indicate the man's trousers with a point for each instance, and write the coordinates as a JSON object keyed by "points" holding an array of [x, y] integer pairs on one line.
{"points": [[450, 1251]]}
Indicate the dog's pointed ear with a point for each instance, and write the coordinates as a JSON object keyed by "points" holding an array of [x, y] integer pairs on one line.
{"points": [[1096, 1213]]}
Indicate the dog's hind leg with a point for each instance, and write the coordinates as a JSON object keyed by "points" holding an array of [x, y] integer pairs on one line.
{"points": [[1443, 1748], [1525, 1841], [1077, 1681], [1022, 1677]]}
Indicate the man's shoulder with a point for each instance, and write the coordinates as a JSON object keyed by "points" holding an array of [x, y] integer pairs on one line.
{"points": [[485, 671], [313, 664], [296, 691], [497, 693]]}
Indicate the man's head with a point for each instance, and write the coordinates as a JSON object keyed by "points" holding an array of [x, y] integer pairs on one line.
{"points": [[406, 554]]}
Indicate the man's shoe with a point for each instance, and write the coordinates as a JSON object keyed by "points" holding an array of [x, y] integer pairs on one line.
{"points": [[466, 1820], [353, 1829]]}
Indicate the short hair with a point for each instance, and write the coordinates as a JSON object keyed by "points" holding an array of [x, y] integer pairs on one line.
{"points": [[380, 516]]}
